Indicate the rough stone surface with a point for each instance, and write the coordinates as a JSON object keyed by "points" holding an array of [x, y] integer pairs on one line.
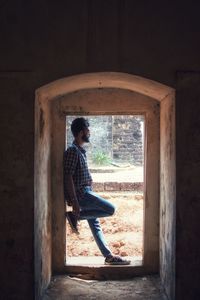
{"points": [[98, 186], [132, 186], [145, 288], [111, 186], [128, 139], [118, 186]]}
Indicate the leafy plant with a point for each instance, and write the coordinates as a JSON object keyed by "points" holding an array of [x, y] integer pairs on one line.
{"points": [[100, 158]]}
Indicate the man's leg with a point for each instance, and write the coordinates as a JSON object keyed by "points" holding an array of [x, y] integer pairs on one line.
{"points": [[98, 235], [92, 207]]}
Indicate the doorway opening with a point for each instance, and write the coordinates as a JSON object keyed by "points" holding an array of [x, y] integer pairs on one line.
{"points": [[105, 93], [115, 157]]}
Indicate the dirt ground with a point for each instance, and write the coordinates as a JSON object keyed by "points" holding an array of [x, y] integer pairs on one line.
{"points": [[123, 231]]}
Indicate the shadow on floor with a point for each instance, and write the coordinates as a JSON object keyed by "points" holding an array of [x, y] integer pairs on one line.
{"points": [[139, 288]]}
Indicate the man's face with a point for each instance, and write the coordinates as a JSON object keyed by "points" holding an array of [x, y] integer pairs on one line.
{"points": [[86, 135]]}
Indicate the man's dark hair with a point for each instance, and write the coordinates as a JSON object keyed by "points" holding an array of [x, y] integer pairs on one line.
{"points": [[79, 124]]}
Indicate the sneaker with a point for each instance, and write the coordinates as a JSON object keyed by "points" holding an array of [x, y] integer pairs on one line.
{"points": [[116, 260], [72, 219]]}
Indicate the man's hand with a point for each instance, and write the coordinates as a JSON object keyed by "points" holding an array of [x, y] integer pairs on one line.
{"points": [[72, 196], [76, 209]]}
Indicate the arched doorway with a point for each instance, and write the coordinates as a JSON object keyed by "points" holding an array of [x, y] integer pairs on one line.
{"points": [[113, 92]]}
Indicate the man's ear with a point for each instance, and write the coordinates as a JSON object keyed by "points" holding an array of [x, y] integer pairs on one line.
{"points": [[81, 132]]}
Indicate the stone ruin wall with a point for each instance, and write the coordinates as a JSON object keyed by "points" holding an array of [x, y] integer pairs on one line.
{"points": [[127, 139], [119, 137]]}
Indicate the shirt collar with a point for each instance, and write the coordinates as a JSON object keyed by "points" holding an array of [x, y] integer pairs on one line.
{"points": [[79, 147]]}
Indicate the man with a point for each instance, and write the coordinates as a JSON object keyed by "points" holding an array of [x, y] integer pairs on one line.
{"points": [[86, 204]]}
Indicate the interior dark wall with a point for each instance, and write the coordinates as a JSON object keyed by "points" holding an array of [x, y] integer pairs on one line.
{"points": [[188, 187], [42, 41]]}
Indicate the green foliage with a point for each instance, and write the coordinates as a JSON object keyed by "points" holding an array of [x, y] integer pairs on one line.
{"points": [[100, 158]]}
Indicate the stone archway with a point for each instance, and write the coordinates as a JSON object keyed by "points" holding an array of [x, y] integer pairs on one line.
{"points": [[48, 105]]}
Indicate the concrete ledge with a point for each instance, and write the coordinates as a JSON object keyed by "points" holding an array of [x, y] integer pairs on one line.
{"points": [[118, 186]]}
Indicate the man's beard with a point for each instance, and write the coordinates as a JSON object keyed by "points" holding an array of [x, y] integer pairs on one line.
{"points": [[86, 138]]}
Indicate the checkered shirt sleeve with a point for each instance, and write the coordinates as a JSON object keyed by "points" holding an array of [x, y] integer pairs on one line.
{"points": [[70, 161]]}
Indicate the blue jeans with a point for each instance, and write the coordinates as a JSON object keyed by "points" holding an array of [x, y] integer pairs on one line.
{"points": [[92, 207]]}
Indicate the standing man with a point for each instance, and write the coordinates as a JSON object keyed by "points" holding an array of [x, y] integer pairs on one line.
{"points": [[86, 204]]}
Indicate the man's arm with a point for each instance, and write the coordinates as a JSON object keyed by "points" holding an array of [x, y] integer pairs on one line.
{"points": [[72, 194]]}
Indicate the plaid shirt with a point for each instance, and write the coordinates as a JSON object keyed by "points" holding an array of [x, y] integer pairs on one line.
{"points": [[75, 164]]}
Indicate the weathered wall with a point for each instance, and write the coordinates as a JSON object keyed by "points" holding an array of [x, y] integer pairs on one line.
{"points": [[128, 139], [42, 197], [188, 187], [167, 194], [50, 41], [16, 185]]}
